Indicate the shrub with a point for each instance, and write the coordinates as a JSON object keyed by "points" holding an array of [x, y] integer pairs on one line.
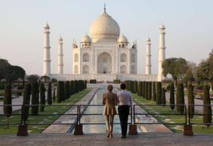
{"points": [[35, 99], [191, 101], [42, 97], [7, 101], [93, 81], [26, 101], [180, 98], [207, 111], [49, 94], [116, 81], [172, 96], [159, 90]]}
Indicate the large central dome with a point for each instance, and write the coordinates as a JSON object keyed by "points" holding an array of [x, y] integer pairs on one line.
{"points": [[104, 28]]}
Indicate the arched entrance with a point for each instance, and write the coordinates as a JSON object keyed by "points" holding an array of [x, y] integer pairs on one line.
{"points": [[104, 65]]}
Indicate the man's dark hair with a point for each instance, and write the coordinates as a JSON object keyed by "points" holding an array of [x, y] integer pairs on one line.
{"points": [[123, 86], [110, 87]]}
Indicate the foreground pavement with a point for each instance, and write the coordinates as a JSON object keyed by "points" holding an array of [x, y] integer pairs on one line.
{"points": [[142, 139]]}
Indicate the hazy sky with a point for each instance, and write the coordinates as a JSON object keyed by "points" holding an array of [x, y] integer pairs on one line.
{"points": [[189, 28]]}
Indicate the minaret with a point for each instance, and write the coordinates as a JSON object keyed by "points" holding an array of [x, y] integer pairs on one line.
{"points": [[161, 51], [60, 56], [148, 56], [46, 53]]}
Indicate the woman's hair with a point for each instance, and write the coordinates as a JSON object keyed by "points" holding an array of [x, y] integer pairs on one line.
{"points": [[110, 87], [123, 86]]}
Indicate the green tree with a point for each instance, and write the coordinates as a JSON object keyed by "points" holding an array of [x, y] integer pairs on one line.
{"points": [[163, 102], [33, 78], [207, 111], [159, 94], [54, 96], [35, 99], [26, 101], [7, 101], [4, 68], [154, 92], [15, 72], [177, 67], [42, 97], [191, 101], [60, 92], [180, 98], [49, 94], [172, 96]]}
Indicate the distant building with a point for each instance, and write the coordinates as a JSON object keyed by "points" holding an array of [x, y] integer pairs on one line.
{"points": [[105, 55]]}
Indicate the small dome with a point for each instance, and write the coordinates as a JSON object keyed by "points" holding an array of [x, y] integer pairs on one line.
{"points": [[162, 26], [148, 39], [60, 39], [122, 39], [86, 39], [46, 26], [104, 28]]}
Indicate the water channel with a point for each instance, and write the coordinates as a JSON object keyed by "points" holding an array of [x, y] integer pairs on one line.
{"points": [[94, 122], [95, 108]]}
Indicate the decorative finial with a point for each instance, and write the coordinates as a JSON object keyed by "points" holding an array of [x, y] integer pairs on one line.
{"points": [[104, 7]]}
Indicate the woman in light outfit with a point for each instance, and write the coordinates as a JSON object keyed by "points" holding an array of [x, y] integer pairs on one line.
{"points": [[110, 100]]}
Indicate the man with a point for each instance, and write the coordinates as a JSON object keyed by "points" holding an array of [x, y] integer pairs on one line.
{"points": [[125, 101]]}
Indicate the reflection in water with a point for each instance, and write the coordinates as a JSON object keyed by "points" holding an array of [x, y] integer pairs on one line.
{"points": [[98, 128]]}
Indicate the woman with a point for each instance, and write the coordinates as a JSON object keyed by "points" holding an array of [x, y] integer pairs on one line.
{"points": [[109, 99]]}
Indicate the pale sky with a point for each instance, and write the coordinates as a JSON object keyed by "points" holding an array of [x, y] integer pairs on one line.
{"points": [[189, 28]]}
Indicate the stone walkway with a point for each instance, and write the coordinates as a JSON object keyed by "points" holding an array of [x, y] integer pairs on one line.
{"points": [[142, 139], [67, 118]]}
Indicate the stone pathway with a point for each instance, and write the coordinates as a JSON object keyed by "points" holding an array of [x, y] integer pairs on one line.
{"points": [[142, 139], [68, 119]]}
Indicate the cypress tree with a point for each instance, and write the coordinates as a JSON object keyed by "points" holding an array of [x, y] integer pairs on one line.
{"points": [[76, 86], [54, 95], [35, 99], [150, 90], [158, 97], [172, 96], [26, 101], [66, 90], [59, 88], [145, 90], [163, 96], [71, 87], [49, 94], [142, 87], [207, 111], [135, 87], [85, 82], [7, 101], [180, 98], [42, 97], [191, 101], [154, 92], [62, 91]]}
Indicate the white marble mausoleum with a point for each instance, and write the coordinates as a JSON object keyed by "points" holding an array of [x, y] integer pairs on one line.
{"points": [[104, 55]]}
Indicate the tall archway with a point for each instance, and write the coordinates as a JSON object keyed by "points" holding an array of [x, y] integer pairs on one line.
{"points": [[85, 57], [123, 58], [104, 64], [123, 69], [76, 69], [133, 58], [85, 69], [132, 69], [76, 58]]}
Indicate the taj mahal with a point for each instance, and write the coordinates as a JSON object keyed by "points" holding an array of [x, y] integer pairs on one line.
{"points": [[104, 55]]}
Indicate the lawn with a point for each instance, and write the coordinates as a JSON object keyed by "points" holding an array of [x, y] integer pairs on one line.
{"points": [[171, 118], [42, 117]]}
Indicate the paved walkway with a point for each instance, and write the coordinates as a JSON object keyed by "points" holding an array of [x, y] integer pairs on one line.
{"points": [[143, 139]]}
